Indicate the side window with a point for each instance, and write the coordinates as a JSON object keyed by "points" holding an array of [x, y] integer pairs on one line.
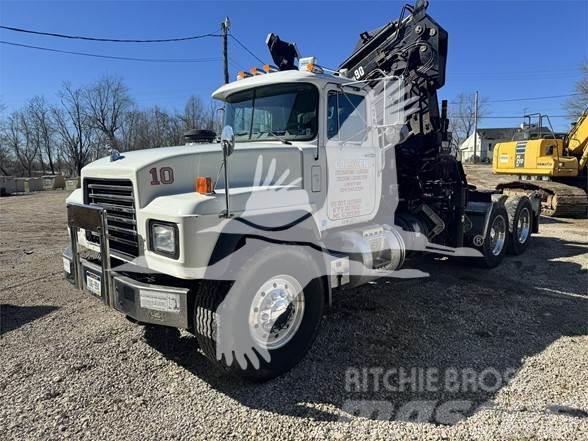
{"points": [[346, 117]]}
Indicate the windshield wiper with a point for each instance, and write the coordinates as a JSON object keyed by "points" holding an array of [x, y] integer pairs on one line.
{"points": [[275, 135]]}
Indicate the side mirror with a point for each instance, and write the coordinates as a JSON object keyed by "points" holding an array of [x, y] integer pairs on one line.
{"points": [[228, 140]]}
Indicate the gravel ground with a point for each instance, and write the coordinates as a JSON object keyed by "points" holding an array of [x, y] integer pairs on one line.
{"points": [[71, 368]]}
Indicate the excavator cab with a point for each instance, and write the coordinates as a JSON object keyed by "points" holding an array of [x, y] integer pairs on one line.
{"points": [[535, 151], [554, 166]]}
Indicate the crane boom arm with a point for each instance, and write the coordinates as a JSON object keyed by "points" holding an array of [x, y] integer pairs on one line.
{"points": [[414, 48]]}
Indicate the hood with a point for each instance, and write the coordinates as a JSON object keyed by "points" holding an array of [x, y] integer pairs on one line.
{"points": [[138, 159], [169, 171]]}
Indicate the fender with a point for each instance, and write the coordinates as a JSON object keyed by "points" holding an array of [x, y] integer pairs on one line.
{"points": [[480, 208], [294, 228]]}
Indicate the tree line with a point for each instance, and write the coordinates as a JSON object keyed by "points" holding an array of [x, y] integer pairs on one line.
{"points": [[85, 123]]}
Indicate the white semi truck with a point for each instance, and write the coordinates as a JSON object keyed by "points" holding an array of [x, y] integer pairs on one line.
{"points": [[322, 180]]}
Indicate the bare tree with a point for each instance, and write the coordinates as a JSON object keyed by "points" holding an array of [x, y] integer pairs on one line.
{"points": [[577, 104], [5, 156], [130, 128], [5, 159], [107, 101], [194, 115], [20, 138], [40, 115], [74, 128], [160, 129], [462, 116]]}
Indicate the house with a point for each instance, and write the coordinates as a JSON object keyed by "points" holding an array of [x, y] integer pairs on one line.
{"points": [[486, 139]]}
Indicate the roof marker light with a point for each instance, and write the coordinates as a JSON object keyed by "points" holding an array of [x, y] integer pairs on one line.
{"points": [[268, 68], [308, 64], [256, 71], [242, 74]]}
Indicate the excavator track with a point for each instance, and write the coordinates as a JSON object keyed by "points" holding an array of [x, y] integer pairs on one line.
{"points": [[557, 199]]}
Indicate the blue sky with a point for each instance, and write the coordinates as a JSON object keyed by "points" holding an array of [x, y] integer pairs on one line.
{"points": [[505, 50]]}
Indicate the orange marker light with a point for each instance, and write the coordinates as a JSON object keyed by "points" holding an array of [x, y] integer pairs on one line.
{"points": [[310, 67], [256, 71], [203, 185]]}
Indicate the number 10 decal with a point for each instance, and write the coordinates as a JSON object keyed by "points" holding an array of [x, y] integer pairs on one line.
{"points": [[164, 176]]}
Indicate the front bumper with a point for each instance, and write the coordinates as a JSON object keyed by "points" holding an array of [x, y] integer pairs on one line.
{"points": [[141, 301]]}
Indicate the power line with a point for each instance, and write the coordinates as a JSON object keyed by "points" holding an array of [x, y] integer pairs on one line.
{"points": [[525, 99], [247, 49], [237, 65], [533, 98], [504, 117], [530, 72], [113, 57], [110, 40]]}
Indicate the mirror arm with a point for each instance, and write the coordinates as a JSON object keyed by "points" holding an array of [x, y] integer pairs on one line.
{"points": [[226, 167], [228, 145]]}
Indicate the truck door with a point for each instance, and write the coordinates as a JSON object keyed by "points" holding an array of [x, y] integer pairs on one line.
{"points": [[352, 158]]}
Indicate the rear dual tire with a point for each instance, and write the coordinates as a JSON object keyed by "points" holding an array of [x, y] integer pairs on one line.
{"points": [[493, 245], [520, 218], [509, 230]]}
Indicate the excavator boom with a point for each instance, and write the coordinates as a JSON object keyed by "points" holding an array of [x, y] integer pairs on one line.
{"points": [[577, 140]]}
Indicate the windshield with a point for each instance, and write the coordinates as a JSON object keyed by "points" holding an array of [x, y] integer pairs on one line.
{"points": [[281, 111]]}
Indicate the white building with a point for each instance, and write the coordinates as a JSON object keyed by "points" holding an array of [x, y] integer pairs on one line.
{"points": [[488, 138], [485, 141]]}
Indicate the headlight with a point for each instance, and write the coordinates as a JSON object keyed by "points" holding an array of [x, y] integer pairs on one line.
{"points": [[164, 239]]}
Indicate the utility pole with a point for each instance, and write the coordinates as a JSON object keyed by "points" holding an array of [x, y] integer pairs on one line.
{"points": [[225, 25], [476, 125]]}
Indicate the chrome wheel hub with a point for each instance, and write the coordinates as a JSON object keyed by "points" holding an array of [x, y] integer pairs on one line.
{"points": [[524, 225], [497, 235], [276, 311]]}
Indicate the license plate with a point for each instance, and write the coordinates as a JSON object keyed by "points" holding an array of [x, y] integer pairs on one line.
{"points": [[93, 284], [66, 266]]}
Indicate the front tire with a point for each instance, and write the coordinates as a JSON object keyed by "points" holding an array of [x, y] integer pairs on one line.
{"points": [[163, 338], [271, 313]]}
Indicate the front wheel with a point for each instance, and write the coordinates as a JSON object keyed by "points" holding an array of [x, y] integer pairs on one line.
{"points": [[264, 324], [163, 338]]}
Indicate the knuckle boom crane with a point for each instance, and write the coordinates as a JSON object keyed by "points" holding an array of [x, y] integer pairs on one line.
{"points": [[414, 48]]}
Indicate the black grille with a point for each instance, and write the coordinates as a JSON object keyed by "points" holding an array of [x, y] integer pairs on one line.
{"points": [[118, 198]]}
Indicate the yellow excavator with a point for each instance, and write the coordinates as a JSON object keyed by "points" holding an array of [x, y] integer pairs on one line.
{"points": [[555, 166]]}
